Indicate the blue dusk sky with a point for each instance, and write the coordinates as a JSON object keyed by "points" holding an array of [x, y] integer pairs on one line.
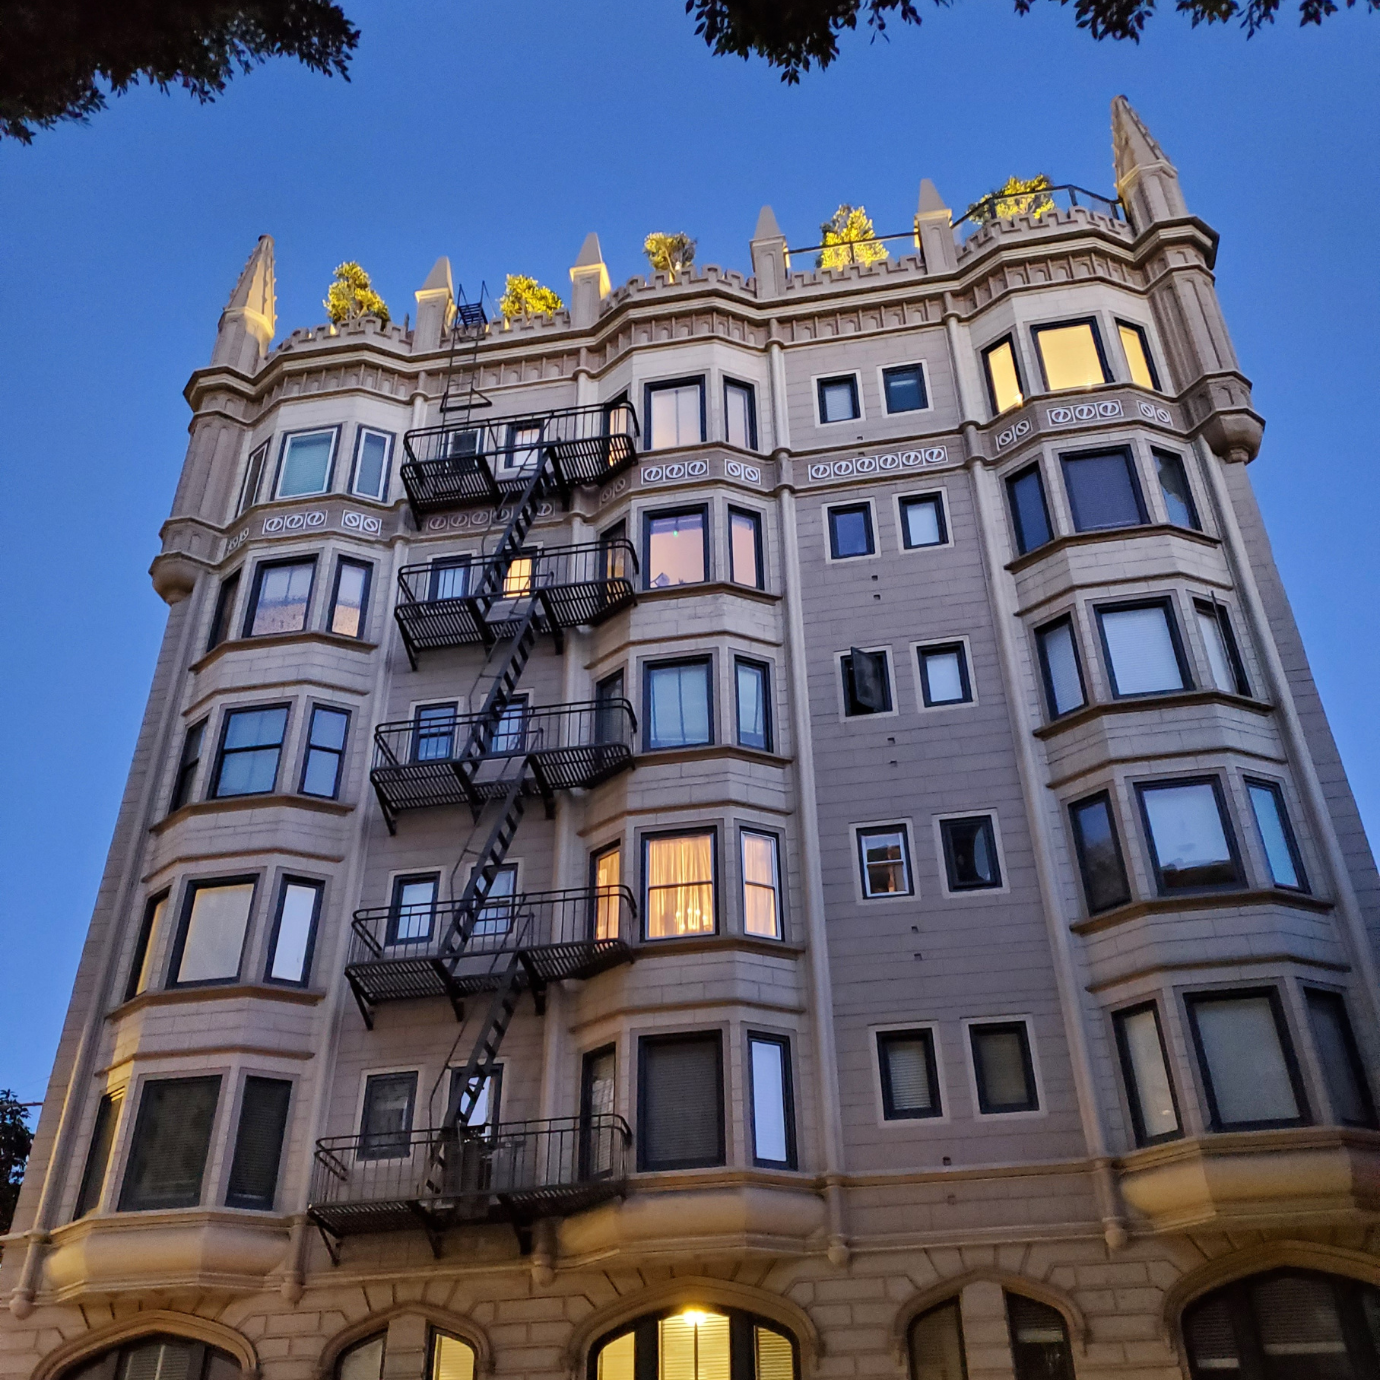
{"points": [[500, 132]]}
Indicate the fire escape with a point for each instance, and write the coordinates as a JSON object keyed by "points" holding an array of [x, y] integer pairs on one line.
{"points": [[494, 761]]}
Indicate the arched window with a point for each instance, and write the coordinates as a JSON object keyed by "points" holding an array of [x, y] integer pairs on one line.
{"points": [[695, 1343], [1286, 1325], [936, 1344], [159, 1358], [1039, 1340], [363, 1361]]}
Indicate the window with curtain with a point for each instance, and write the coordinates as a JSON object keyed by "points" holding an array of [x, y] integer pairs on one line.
{"points": [[449, 578], [259, 1143], [678, 708], [1246, 1059], [451, 1358], [922, 522], [363, 1361], [679, 885], [761, 885], [281, 595], [305, 465], [598, 1104], [750, 680], [1071, 355], [675, 414], [1141, 642], [171, 1140], [1145, 1070], [773, 1113], [606, 873], [909, 1074], [350, 598], [214, 925], [745, 548], [158, 1358], [696, 1342], [1191, 841], [680, 1102], [838, 399], [1060, 668]]}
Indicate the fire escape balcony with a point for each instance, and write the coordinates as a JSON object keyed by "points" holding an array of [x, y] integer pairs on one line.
{"points": [[401, 953], [444, 759], [440, 605], [514, 1172], [460, 464]]}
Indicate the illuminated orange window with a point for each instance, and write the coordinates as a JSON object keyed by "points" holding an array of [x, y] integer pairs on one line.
{"points": [[1003, 379]]}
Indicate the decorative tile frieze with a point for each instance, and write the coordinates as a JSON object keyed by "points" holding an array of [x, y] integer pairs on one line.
{"points": [[824, 470], [1106, 411], [1017, 431], [739, 469], [361, 522], [677, 469], [294, 522], [1154, 413], [481, 517]]}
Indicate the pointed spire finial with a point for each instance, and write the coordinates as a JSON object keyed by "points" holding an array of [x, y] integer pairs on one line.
{"points": [[1146, 181], [435, 307], [934, 235], [771, 262], [251, 315], [767, 228], [589, 283]]}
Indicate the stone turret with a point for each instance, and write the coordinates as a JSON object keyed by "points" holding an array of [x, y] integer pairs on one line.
{"points": [[435, 307], [770, 261], [1146, 181], [247, 323], [934, 230], [589, 283]]}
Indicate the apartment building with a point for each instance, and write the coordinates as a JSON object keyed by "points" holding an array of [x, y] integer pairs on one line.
{"points": [[766, 827]]}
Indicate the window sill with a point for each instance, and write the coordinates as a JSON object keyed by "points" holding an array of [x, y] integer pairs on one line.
{"points": [[1132, 704], [651, 756], [1199, 900], [239, 644], [707, 943], [251, 802], [1149, 529], [227, 991], [700, 587]]}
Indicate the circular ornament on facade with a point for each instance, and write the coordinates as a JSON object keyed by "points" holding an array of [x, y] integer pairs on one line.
{"points": [[867, 464], [819, 471], [652, 474], [888, 462], [271, 525], [911, 458], [1059, 415], [436, 524], [316, 520], [1109, 409], [936, 455], [697, 468], [843, 468], [675, 471]]}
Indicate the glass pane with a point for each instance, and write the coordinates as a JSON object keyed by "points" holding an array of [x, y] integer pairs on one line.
{"points": [[1269, 819], [449, 579], [760, 885], [608, 868], [1188, 835], [215, 933], [373, 459], [1102, 492], [752, 706], [1219, 659], [838, 400], [1155, 1100], [1000, 1057], [1240, 1044], [306, 465], [1140, 647], [616, 1359], [328, 728], [775, 1355], [1070, 356], [349, 599], [743, 553], [322, 774], [1136, 360], [387, 1125], [1178, 497], [294, 930], [1104, 876], [248, 772], [866, 683], [908, 1073], [850, 532], [435, 732], [944, 676], [1001, 369], [675, 419], [145, 977], [1028, 502], [1350, 1102], [283, 594], [675, 550], [171, 1138], [255, 728], [451, 1359], [936, 1345], [1297, 1317], [517, 579], [414, 905], [510, 735], [680, 888], [1061, 664], [972, 851], [679, 705], [738, 415], [497, 916], [884, 863], [694, 1346], [769, 1100], [364, 1362], [904, 388], [921, 517]]}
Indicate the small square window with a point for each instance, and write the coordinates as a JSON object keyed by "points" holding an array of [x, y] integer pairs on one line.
{"points": [[1103, 491], [745, 548], [1099, 853], [1276, 835], [373, 451], [280, 598], [970, 853], [944, 675], [1003, 376], [1145, 1069], [866, 683], [752, 687], [1174, 486], [1142, 647], [304, 467], [740, 415], [850, 531], [910, 1078], [838, 399], [1071, 355], [1003, 1068], [1029, 511], [677, 548], [1136, 347], [1224, 657], [350, 598], [884, 859], [904, 388], [1060, 667], [922, 522], [679, 705], [675, 414], [1191, 842]]}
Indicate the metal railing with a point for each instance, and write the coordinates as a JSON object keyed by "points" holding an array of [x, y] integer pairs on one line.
{"points": [[1037, 202]]}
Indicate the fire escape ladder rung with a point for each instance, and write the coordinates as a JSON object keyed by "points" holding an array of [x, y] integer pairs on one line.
{"points": [[486, 867]]}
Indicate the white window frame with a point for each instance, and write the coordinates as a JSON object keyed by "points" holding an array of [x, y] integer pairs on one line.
{"points": [[774, 833], [882, 369], [915, 649], [907, 826], [838, 374], [381, 1071], [910, 1123], [975, 893], [391, 438], [1026, 1019], [286, 441]]}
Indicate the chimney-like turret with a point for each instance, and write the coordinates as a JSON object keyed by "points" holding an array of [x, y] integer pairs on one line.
{"points": [[770, 261], [589, 283], [435, 307], [247, 323], [934, 230], [1146, 181]]}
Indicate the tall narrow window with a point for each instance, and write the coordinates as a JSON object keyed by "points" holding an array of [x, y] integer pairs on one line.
{"points": [[224, 611], [598, 1107], [325, 752], [680, 885], [98, 1156], [1029, 511], [1174, 487], [363, 1361], [676, 549], [259, 1144], [745, 548], [433, 731], [773, 1111], [838, 399], [215, 921], [610, 709], [1071, 355], [1145, 1068], [1224, 657], [740, 415], [1343, 1068], [451, 1358], [1136, 347], [253, 476], [1060, 668], [751, 685], [944, 675], [1103, 869], [761, 885], [606, 877], [1003, 377], [172, 1135], [678, 709], [1103, 491], [866, 682], [281, 595], [922, 522], [904, 388], [449, 578], [251, 742], [1247, 1063], [680, 1102], [294, 931], [1040, 1346], [141, 968], [909, 1074], [617, 553], [675, 414], [187, 766], [412, 908], [850, 531], [373, 450], [1276, 835], [1143, 651], [495, 916], [884, 860], [305, 464], [970, 853], [1191, 841], [350, 598], [385, 1131], [1003, 1068], [936, 1344]]}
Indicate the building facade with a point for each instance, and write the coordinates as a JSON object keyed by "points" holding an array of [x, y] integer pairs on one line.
{"points": [[753, 828]]}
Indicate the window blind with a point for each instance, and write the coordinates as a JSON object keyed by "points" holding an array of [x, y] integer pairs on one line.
{"points": [[172, 1135], [259, 1143], [681, 1101]]}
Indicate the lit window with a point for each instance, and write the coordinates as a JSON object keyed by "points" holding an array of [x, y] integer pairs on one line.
{"points": [[1224, 658], [1003, 1068], [1276, 836], [850, 531], [1071, 355], [680, 1112], [1029, 512], [866, 682], [904, 388], [838, 399], [373, 450], [745, 548], [1191, 843], [678, 712], [350, 598], [305, 464], [517, 578], [677, 552], [761, 885], [680, 885], [1137, 350], [1060, 668], [970, 853], [598, 1108], [215, 921], [325, 752], [1178, 496], [1103, 491], [675, 414], [451, 1359], [250, 746], [168, 1150], [1003, 379], [910, 1079], [740, 415], [944, 675], [294, 931], [922, 522], [1099, 853], [754, 707], [606, 873], [1141, 642], [773, 1115], [1249, 1073], [884, 858], [282, 592], [1145, 1067]]}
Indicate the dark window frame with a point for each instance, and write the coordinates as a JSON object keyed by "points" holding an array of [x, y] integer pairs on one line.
{"points": [[1144, 335], [646, 1042], [663, 386], [244, 1204], [768, 718], [964, 674], [1023, 545], [432, 729], [951, 1304], [1221, 615], [368, 567], [1176, 638], [1090, 321], [1128, 1074], [865, 508], [338, 753], [395, 905], [1047, 676], [98, 1154], [985, 1106], [1287, 828], [986, 352], [184, 921], [141, 945], [743, 1326], [855, 386], [1132, 473], [922, 373], [217, 765], [126, 1200], [751, 391], [648, 515], [938, 498], [644, 839], [1286, 1045], [1352, 1049], [251, 607], [707, 661], [1158, 453], [1079, 847], [188, 765], [952, 886], [387, 478], [318, 885], [759, 831], [283, 443], [864, 831], [222, 616], [926, 1036], [1228, 831], [366, 1148], [249, 493], [847, 684], [783, 1043], [759, 580]]}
